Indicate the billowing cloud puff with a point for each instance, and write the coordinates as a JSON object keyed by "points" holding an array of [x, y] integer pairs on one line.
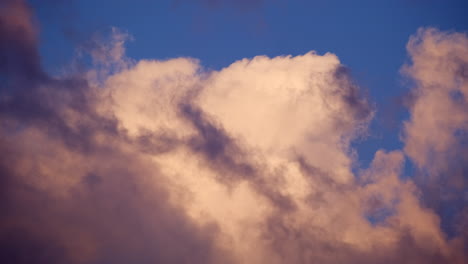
{"points": [[166, 162]]}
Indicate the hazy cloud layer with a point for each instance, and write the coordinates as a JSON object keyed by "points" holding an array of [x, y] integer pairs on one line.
{"points": [[165, 162]]}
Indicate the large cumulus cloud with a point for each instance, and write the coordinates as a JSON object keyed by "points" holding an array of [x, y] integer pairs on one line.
{"points": [[166, 162]]}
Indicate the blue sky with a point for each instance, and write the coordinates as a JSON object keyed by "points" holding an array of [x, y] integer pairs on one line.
{"points": [[368, 36]]}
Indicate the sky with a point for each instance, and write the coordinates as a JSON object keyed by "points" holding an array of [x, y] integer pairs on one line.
{"points": [[369, 37], [233, 131]]}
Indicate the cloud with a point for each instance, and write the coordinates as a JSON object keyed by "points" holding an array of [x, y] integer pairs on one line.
{"points": [[74, 189], [262, 149], [18, 42], [436, 135], [164, 161]]}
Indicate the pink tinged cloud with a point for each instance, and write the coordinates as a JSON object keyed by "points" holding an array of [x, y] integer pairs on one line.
{"points": [[165, 162], [439, 113], [436, 135]]}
